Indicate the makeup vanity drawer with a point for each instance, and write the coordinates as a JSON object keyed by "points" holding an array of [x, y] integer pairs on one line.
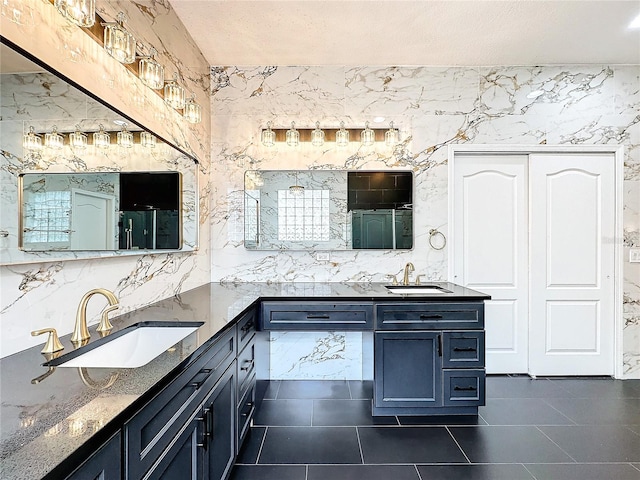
{"points": [[316, 316]]}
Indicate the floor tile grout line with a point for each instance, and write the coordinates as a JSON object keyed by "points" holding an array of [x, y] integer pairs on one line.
{"points": [[264, 438], [417, 471], [349, 388], [560, 412], [360, 446], [551, 440], [306, 472], [456, 441], [529, 472]]}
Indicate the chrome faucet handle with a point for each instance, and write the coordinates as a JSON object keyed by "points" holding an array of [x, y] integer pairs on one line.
{"points": [[53, 342], [418, 278], [394, 279]]}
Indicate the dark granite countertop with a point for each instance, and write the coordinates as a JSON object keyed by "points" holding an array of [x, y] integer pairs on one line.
{"points": [[47, 414]]}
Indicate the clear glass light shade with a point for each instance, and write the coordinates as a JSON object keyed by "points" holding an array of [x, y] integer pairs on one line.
{"points": [[174, 94], [80, 12], [296, 189], [151, 73], [147, 140], [32, 141], [268, 136], [192, 111], [342, 136], [120, 44], [101, 139], [125, 138], [391, 136], [53, 139], [317, 136], [367, 136], [78, 139], [293, 136]]}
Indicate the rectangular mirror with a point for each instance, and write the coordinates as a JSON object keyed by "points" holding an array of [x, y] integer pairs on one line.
{"points": [[328, 210], [42, 177], [100, 211]]}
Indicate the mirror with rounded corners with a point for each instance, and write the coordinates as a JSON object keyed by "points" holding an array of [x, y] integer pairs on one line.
{"points": [[328, 210]]}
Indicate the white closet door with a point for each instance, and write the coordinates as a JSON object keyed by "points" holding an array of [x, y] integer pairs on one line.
{"points": [[572, 264], [490, 236]]}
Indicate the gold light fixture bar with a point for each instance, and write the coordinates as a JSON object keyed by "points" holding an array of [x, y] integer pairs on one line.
{"points": [[330, 134], [112, 133]]}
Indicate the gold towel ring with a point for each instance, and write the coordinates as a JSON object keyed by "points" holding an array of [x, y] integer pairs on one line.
{"points": [[435, 233]]}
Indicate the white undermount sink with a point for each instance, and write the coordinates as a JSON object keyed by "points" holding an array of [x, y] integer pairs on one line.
{"points": [[131, 347], [417, 289]]}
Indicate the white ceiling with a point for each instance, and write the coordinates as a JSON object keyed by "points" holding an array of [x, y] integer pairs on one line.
{"points": [[404, 32]]}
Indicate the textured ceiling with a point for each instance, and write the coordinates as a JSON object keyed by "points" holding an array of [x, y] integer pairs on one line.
{"points": [[426, 32]]}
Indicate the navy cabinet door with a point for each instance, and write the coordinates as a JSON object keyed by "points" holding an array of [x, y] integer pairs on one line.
{"points": [[105, 464], [183, 459], [407, 369], [219, 414]]}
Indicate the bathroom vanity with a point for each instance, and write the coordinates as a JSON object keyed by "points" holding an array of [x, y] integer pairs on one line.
{"points": [[190, 408]]}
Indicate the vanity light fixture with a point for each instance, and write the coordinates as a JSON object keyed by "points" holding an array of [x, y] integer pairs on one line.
{"points": [[125, 138], [32, 141], [147, 139], [174, 93], [78, 139], [293, 136], [192, 111], [368, 136], [317, 136], [342, 136], [268, 136], [80, 12], [391, 136], [118, 42], [151, 72], [53, 139], [101, 139]]}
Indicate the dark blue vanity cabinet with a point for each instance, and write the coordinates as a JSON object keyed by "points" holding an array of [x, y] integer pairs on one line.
{"points": [[429, 358]]}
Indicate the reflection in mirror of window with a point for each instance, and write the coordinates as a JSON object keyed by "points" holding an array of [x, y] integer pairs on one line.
{"points": [[303, 216], [47, 218]]}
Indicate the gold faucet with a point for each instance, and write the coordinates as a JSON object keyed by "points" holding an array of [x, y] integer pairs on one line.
{"points": [[407, 268], [81, 332]]}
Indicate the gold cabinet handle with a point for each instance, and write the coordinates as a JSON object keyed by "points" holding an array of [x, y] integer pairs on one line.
{"points": [[53, 342]]}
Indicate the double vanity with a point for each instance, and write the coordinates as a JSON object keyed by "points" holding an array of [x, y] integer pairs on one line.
{"points": [[189, 409]]}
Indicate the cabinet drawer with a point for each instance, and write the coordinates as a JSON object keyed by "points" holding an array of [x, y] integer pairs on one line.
{"points": [[247, 327], [429, 316], [246, 409], [154, 427], [246, 366], [464, 387], [316, 316], [463, 349]]}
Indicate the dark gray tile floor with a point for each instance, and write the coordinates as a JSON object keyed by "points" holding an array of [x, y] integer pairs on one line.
{"points": [[543, 429]]}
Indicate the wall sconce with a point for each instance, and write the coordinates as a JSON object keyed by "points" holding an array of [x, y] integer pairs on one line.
{"points": [[151, 72], [54, 140], [101, 139], [317, 136], [125, 137], [80, 12], [174, 93], [192, 111], [293, 136], [78, 139], [120, 44], [268, 136], [391, 136], [368, 136], [147, 140], [32, 141], [342, 136]]}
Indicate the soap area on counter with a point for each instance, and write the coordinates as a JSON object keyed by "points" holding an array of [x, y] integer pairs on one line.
{"points": [[48, 415]]}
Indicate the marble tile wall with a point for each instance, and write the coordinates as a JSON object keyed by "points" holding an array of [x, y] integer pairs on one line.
{"points": [[433, 107], [46, 292]]}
